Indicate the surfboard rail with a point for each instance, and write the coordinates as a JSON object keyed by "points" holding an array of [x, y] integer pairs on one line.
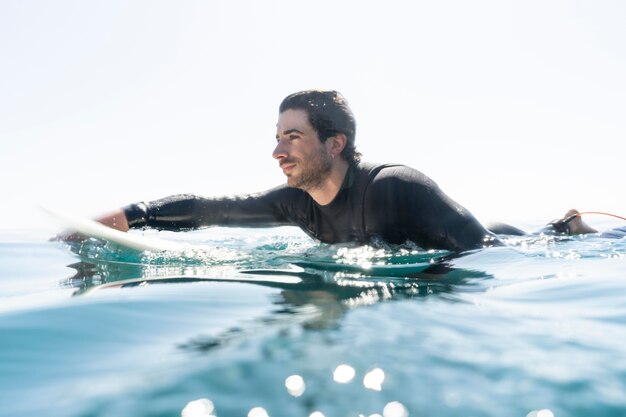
{"points": [[91, 228]]}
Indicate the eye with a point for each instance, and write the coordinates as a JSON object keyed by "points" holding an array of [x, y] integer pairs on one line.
{"points": [[293, 137]]}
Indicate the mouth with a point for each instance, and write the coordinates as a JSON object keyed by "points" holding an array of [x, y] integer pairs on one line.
{"points": [[287, 167]]}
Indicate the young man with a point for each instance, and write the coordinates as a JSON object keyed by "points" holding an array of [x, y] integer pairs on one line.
{"points": [[329, 194]]}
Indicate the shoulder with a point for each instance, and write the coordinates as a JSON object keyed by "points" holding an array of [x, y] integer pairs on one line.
{"points": [[284, 196], [397, 174], [281, 192]]}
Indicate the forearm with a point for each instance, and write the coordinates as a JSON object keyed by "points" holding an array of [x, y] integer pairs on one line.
{"points": [[187, 211]]}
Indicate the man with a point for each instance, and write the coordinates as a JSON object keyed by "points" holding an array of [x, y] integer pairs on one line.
{"points": [[329, 194]]}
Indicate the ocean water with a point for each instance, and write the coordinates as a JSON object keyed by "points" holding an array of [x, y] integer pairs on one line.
{"points": [[266, 322]]}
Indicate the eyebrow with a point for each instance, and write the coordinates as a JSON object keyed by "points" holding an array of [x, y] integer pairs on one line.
{"points": [[287, 132]]}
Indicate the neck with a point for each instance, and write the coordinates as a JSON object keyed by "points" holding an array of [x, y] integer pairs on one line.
{"points": [[328, 190]]}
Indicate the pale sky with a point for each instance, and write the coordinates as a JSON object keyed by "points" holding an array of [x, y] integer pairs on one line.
{"points": [[517, 109]]}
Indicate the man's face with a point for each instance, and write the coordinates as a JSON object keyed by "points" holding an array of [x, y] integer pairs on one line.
{"points": [[304, 159]]}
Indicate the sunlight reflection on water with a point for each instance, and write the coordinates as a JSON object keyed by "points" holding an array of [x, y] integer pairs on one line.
{"points": [[541, 413], [295, 385], [374, 379], [258, 412], [395, 409], [343, 374], [198, 408]]}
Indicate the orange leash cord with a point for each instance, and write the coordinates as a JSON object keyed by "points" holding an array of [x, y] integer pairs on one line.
{"points": [[600, 212]]}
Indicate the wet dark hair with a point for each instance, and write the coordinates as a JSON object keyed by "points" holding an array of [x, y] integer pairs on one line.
{"points": [[329, 114]]}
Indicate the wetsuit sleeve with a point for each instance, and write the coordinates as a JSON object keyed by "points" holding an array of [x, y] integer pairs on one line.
{"points": [[189, 211], [416, 209]]}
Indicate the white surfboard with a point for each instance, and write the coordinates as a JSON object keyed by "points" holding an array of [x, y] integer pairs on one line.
{"points": [[91, 228]]}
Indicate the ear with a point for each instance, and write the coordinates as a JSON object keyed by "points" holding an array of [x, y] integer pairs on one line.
{"points": [[337, 144]]}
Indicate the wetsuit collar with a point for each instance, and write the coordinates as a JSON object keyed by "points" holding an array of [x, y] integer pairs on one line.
{"points": [[348, 180]]}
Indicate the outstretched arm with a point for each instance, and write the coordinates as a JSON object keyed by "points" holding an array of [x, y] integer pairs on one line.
{"points": [[189, 211]]}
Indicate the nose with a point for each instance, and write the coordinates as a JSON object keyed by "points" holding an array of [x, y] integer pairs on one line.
{"points": [[279, 151]]}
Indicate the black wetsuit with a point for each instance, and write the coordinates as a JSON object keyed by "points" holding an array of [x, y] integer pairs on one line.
{"points": [[394, 203]]}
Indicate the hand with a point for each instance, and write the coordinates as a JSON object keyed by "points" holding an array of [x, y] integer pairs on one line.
{"points": [[115, 220]]}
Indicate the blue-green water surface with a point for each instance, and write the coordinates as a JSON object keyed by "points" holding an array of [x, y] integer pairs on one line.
{"points": [[261, 321]]}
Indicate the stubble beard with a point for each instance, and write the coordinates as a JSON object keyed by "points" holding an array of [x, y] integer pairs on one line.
{"points": [[313, 173]]}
